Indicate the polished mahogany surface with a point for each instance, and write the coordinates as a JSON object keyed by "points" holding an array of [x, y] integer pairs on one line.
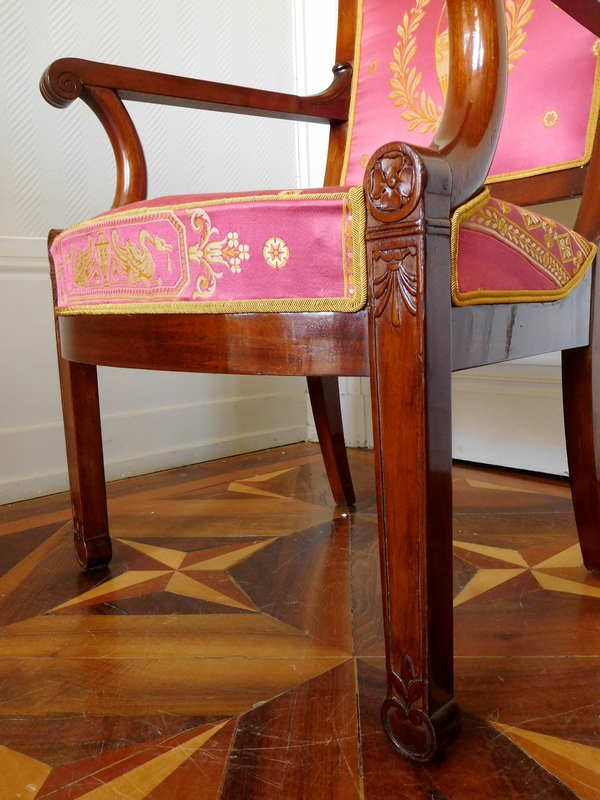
{"points": [[234, 647]]}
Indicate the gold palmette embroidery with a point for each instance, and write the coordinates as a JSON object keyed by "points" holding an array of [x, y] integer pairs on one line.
{"points": [[477, 216], [227, 252], [356, 269]]}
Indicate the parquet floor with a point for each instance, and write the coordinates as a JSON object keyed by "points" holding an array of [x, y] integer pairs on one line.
{"points": [[234, 647]]}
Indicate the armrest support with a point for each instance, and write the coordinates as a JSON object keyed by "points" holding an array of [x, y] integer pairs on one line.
{"points": [[470, 127], [66, 79]]}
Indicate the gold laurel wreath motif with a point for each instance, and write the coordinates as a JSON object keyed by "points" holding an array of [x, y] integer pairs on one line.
{"points": [[418, 108]]}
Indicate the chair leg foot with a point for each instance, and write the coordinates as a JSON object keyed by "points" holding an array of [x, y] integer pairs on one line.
{"points": [[324, 396], [415, 735], [92, 552]]}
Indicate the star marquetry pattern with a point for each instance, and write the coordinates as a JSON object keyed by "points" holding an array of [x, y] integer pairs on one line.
{"points": [[105, 696], [201, 575], [560, 572]]}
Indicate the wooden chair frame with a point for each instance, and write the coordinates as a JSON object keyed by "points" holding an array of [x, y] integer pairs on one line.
{"points": [[408, 339]]}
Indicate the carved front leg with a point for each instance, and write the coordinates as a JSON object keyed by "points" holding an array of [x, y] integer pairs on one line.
{"points": [[408, 250]]}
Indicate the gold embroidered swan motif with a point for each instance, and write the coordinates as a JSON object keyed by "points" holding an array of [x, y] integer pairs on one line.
{"points": [[136, 260], [83, 262]]}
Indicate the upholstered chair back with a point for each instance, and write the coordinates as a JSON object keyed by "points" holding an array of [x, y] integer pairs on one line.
{"points": [[401, 78]]}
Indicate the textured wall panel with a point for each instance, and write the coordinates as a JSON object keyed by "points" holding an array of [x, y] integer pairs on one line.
{"points": [[56, 166]]}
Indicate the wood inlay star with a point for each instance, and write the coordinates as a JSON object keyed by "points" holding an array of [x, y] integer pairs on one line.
{"points": [[486, 579], [200, 574]]}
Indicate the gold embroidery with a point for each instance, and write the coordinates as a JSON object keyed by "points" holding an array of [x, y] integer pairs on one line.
{"points": [[276, 252], [442, 55], [227, 252], [596, 48], [364, 160], [491, 220], [83, 262], [356, 221], [418, 109], [517, 16], [135, 260], [373, 66], [550, 118], [132, 261]]}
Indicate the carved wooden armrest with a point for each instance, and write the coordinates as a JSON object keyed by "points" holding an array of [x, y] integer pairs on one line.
{"points": [[104, 86], [470, 126], [67, 78]]}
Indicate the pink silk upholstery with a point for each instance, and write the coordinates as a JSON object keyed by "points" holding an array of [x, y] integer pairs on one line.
{"points": [[402, 79], [295, 251], [506, 254], [292, 251]]}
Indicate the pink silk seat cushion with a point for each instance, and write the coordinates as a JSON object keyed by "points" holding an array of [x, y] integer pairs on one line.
{"points": [[292, 251], [286, 251]]}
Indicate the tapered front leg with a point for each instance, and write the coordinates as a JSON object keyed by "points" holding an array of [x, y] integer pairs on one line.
{"points": [[85, 460], [81, 413], [324, 393], [408, 250]]}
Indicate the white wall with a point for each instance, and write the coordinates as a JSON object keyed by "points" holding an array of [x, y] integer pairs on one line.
{"points": [[56, 168]]}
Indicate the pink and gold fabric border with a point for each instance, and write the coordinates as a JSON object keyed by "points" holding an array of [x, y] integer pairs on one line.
{"points": [[502, 253], [290, 251]]}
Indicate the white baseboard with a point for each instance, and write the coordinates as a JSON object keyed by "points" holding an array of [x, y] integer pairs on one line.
{"points": [[34, 464], [507, 415]]}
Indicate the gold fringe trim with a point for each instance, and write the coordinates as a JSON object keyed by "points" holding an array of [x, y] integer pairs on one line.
{"points": [[482, 297], [281, 306]]}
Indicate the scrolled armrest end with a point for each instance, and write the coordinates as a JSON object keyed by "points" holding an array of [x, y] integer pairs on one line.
{"points": [[59, 85]]}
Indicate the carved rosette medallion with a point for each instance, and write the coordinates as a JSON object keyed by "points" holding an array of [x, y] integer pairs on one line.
{"points": [[394, 183], [404, 719], [398, 283]]}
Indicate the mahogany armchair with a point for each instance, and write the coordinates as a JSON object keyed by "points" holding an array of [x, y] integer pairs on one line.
{"points": [[428, 274]]}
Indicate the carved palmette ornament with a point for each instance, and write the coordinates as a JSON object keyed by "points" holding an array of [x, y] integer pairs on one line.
{"points": [[404, 710], [397, 283]]}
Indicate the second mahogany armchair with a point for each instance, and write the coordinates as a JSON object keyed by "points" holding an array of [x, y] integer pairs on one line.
{"points": [[403, 268]]}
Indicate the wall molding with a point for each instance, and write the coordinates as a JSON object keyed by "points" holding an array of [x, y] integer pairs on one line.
{"points": [[23, 254]]}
